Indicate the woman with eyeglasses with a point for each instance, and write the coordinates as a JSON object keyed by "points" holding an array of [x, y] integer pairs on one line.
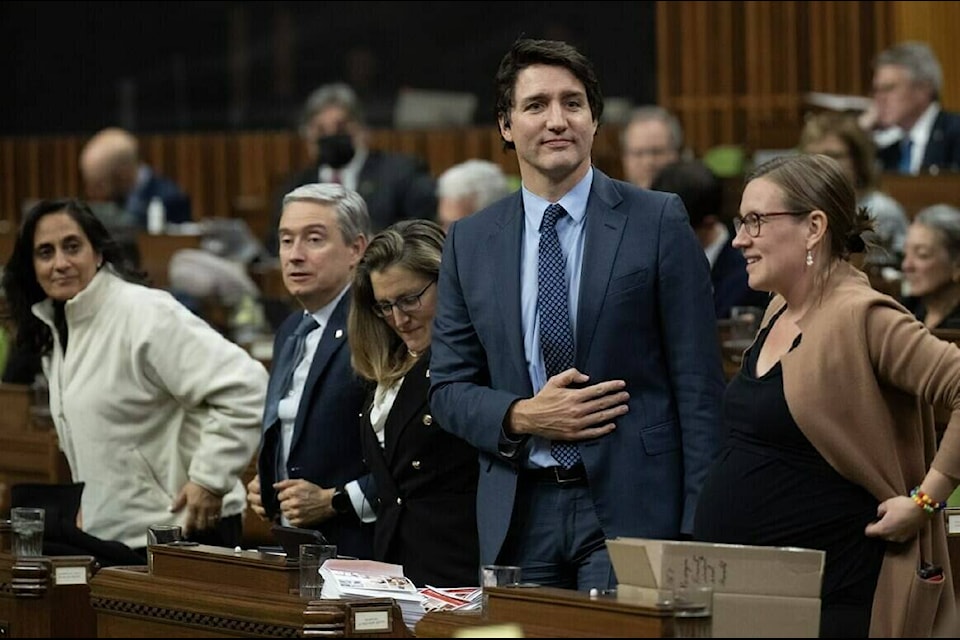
{"points": [[426, 477], [831, 440]]}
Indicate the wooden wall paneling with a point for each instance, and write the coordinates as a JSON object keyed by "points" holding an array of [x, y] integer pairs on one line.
{"points": [[225, 175], [33, 162], [761, 57], [443, 149], [699, 119], [937, 24], [506, 158], [823, 37], [186, 171], [723, 127], [64, 167]]}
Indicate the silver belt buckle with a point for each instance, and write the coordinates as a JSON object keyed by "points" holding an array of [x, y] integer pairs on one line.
{"points": [[556, 474]]}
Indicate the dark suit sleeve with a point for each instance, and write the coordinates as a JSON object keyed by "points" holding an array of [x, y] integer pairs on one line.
{"points": [[460, 392], [420, 198], [692, 349]]}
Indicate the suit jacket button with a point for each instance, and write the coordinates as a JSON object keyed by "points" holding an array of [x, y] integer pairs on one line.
{"points": [[399, 500], [427, 419], [415, 464]]}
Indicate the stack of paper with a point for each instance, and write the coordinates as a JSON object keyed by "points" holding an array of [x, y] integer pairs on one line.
{"points": [[456, 599], [370, 579]]}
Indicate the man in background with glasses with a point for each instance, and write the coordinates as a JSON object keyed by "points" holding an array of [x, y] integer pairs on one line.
{"points": [[907, 81]]}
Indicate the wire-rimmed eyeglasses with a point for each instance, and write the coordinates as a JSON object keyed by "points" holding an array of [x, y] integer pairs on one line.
{"points": [[406, 304], [753, 220]]}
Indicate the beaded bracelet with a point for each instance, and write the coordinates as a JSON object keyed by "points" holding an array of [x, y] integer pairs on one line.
{"points": [[925, 502]]}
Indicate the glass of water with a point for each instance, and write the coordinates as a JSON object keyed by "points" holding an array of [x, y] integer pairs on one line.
{"points": [[27, 525]]}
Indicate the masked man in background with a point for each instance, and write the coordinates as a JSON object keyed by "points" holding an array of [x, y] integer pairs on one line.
{"points": [[394, 186]]}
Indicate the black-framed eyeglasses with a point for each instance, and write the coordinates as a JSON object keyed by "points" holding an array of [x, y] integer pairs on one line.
{"points": [[406, 304], [753, 220]]}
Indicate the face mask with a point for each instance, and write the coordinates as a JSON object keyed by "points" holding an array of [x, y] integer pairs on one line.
{"points": [[336, 150]]}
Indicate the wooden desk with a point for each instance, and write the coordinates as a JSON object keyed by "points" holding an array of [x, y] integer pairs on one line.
{"points": [[156, 251], [213, 592], [545, 612], [15, 399], [918, 192], [29, 450], [46, 597]]}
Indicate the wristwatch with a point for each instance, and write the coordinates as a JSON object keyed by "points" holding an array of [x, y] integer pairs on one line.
{"points": [[341, 501]]}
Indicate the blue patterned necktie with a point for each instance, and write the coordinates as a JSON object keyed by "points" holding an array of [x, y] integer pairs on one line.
{"points": [[906, 151], [556, 336], [284, 365]]}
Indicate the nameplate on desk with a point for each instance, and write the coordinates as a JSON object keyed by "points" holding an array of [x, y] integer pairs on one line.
{"points": [[372, 620], [70, 575], [953, 522]]}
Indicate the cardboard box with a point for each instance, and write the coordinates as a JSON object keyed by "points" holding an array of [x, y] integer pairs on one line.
{"points": [[758, 591]]}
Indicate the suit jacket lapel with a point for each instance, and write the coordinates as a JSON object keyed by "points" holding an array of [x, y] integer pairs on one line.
{"points": [[409, 403], [334, 338], [505, 244], [935, 153], [604, 231], [273, 384]]}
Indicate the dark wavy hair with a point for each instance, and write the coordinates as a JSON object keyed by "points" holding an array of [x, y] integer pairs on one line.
{"points": [[526, 52], [20, 282]]}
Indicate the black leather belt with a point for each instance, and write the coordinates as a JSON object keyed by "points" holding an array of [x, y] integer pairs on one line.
{"points": [[558, 475]]}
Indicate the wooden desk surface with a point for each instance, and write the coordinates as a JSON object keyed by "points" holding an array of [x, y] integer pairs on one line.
{"points": [[213, 592], [156, 251], [546, 612]]}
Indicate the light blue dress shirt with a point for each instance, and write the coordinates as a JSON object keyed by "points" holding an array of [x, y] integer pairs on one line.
{"points": [[571, 233]]}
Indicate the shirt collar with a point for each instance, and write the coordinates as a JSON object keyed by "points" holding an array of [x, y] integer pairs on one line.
{"points": [[322, 315], [574, 202], [924, 125]]}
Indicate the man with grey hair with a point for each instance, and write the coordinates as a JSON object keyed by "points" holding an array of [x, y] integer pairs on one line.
{"points": [[468, 187], [651, 139], [311, 472], [395, 186], [907, 80]]}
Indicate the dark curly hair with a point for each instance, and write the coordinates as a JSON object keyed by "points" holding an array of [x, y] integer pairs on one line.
{"points": [[20, 282]]}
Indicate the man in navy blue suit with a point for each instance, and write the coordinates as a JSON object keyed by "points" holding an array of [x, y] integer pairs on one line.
{"points": [[113, 172], [907, 79], [639, 399], [395, 186], [702, 194], [310, 470]]}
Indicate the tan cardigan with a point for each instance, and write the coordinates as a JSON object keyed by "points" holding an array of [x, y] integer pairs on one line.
{"points": [[861, 386]]}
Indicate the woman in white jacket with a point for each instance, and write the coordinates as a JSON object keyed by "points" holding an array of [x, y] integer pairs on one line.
{"points": [[156, 412]]}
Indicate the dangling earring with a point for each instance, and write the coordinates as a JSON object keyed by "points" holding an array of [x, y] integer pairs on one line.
{"points": [[809, 258]]}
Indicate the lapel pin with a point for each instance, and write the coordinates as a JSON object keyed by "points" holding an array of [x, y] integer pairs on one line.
{"points": [[427, 419], [428, 373], [338, 334]]}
